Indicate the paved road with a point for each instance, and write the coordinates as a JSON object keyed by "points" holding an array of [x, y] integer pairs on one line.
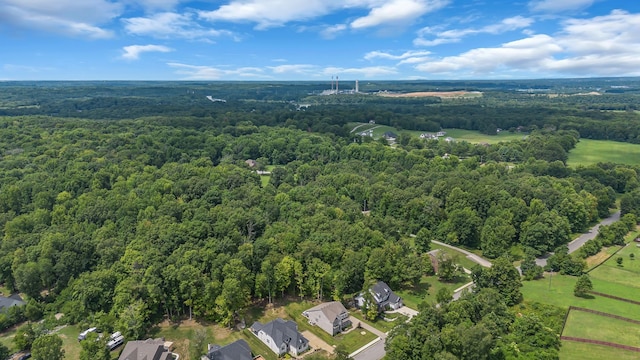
{"points": [[373, 352], [580, 240], [471, 256]]}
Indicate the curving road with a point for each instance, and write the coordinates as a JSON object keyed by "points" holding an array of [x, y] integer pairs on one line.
{"points": [[580, 240], [471, 256]]}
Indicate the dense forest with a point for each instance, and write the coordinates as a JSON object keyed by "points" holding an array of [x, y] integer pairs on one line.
{"points": [[115, 211]]}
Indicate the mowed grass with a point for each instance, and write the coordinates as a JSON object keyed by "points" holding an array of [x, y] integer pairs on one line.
{"points": [[560, 293], [624, 280], [470, 136], [596, 327], [589, 152], [571, 350], [427, 289]]}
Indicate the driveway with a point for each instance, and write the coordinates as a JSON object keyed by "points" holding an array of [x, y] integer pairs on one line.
{"points": [[471, 256], [406, 311], [368, 327], [317, 343]]}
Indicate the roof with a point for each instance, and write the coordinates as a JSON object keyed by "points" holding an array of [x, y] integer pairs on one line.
{"points": [[281, 331], [145, 350], [238, 350], [13, 300], [383, 292], [331, 310]]}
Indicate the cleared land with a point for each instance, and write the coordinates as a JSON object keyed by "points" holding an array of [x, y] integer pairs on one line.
{"points": [[474, 137], [440, 94], [589, 152], [427, 289], [560, 293], [573, 350], [591, 326]]}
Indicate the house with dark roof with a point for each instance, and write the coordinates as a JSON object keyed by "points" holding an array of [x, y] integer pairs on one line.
{"points": [[390, 135], [238, 350], [281, 336], [7, 302], [383, 296], [331, 317], [150, 349]]}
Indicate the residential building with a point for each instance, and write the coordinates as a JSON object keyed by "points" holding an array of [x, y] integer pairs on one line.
{"points": [[7, 302], [150, 349], [281, 336], [238, 350], [383, 296], [331, 317]]}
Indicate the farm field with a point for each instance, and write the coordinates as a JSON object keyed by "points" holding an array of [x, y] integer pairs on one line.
{"points": [[591, 326], [470, 136], [560, 293], [589, 152], [574, 350]]}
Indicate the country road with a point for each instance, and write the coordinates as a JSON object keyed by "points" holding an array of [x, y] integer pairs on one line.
{"points": [[580, 240]]}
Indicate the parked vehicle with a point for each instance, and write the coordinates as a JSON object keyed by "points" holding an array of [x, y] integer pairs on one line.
{"points": [[116, 339], [83, 335]]}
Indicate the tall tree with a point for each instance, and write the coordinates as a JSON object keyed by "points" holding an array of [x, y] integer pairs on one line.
{"points": [[47, 347]]}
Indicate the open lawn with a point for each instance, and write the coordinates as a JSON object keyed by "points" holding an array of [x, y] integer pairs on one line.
{"points": [[560, 293], [427, 289], [589, 152], [571, 350], [380, 324], [461, 258], [591, 326], [471, 136], [352, 340], [181, 334]]}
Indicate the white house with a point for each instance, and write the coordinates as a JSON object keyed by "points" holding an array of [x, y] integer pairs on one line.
{"points": [[383, 296], [281, 336]]}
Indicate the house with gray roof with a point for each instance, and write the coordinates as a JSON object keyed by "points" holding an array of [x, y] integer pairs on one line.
{"points": [[7, 302], [331, 317], [150, 349], [281, 336], [383, 296], [238, 350]]}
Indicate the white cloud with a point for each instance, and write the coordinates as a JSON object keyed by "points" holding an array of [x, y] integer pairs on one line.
{"points": [[70, 17], [171, 25], [299, 69], [398, 12], [331, 32], [154, 5], [453, 36], [270, 13], [554, 6], [133, 52], [383, 55], [198, 72], [601, 46]]}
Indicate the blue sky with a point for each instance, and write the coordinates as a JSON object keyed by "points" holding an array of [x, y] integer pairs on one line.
{"points": [[317, 39]]}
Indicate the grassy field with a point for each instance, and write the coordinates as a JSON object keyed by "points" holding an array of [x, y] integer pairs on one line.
{"points": [[461, 258], [427, 289], [471, 136], [589, 152], [560, 293], [591, 326], [380, 324], [573, 351]]}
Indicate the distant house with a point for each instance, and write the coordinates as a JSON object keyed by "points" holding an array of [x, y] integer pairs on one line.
{"points": [[251, 163], [150, 349], [7, 302], [448, 139], [383, 296], [281, 336], [428, 136], [372, 121], [389, 135], [441, 133], [238, 350], [331, 317]]}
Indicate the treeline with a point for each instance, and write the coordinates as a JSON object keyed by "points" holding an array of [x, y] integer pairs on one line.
{"points": [[606, 117], [127, 222]]}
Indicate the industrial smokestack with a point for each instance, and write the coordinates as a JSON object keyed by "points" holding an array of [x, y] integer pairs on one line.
{"points": [[336, 84], [357, 86]]}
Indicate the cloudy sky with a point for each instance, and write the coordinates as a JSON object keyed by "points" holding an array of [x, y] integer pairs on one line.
{"points": [[317, 39]]}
